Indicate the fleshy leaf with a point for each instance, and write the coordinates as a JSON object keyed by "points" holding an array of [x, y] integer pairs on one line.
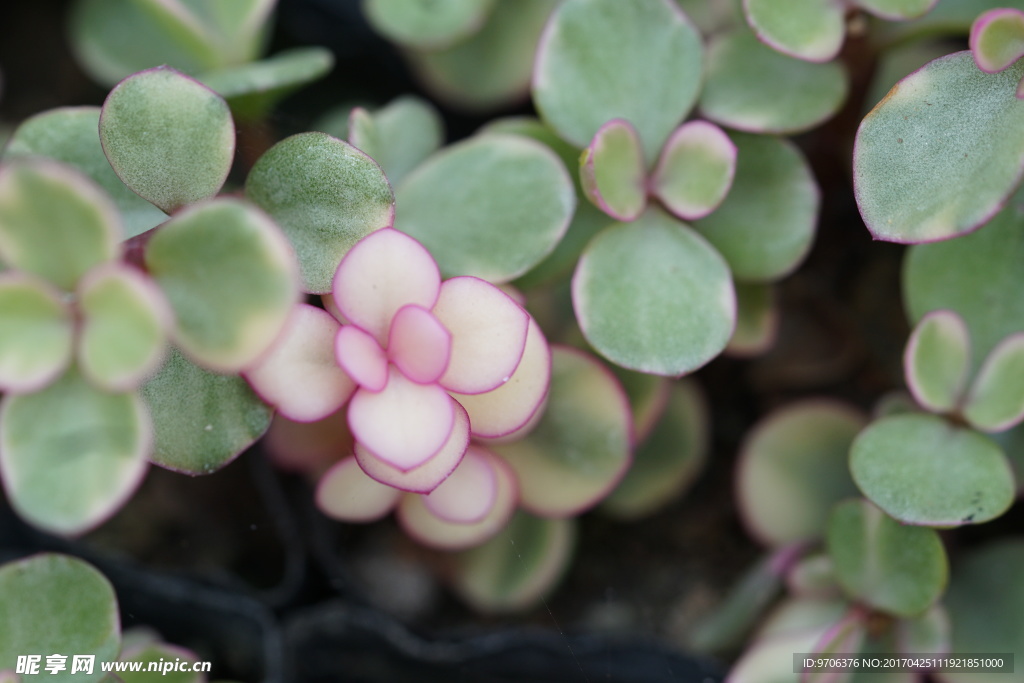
{"points": [[58, 604], [757, 320], [923, 470], [813, 576], [925, 167], [492, 206], [648, 397], [899, 569], [937, 360], [346, 493], [997, 39], [766, 224], [399, 136], [361, 357], [793, 469], [929, 632], [419, 345], [654, 296], [669, 460], [580, 448], [299, 374], [230, 276], [811, 30], [469, 492], [613, 172], [123, 334], [896, 10], [168, 137], [71, 454], [515, 570], [326, 195], [754, 88], [202, 420], [54, 222], [427, 25], [996, 399], [695, 171], [70, 135], [589, 58], [36, 344]]}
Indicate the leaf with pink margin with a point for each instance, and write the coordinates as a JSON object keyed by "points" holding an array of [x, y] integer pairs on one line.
{"points": [[405, 423], [488, 333], [995, 401], [426, 477], [469, 492], [997, 39], [502, 411], [580, 448], [937, 360], [695, 170], [841, 638], [299, 374], [38, 333], [613, 172], [424, 526], [897, 10], [810, 30], [419, 345], [383, 272], [361, 357], [347, 494]]}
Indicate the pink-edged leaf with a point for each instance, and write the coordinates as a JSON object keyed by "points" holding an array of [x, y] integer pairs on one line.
{"points": [[695, 170], [429, 529], [997, 39], [419, 344], [299, 375], [426, 477], [844, 636], [359, 354], [347, 494], [995, 401], [384, 271], [613, 172], [500, 412], [36, 333], [469, 493], [405, 423], [937, 360], [488, 333]]}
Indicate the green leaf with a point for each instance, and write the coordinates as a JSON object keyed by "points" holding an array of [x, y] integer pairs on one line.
{"points": [[492, 206], [202, 421], [253, 89], [70, 135], [580, 448], [899, 569], [793, 469], [54, 222], [997, 39], [71, 454], [654, 296], [326, 195], [399, 136], [613, 172], [648, 397], [757, 320], [427, 24], [559, 264], [517, 568], [695, 171], [534, 128], [977, 276], [927, 165], [812, 30], [168, 137], [996, 399], [754, 88], [924, 470], [491, 68], [814, 576], [38, 328], [605, 59], [937, 360], [124, 322], [669, 460], [896, 10], [58, 604], [230, 277], [766, 224]]}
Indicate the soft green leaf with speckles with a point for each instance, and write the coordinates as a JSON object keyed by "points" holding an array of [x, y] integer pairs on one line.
{"points": [[937, 360], [654, 296], [997, 39], [427, 24], [201, 420], [399, 136], [58, 604], [695, 171], [941, 153], [613, 172], [812, 30], [168, 137], [71, 454], [36, 343], [326, 195], [995, 401], [924, 470]]}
